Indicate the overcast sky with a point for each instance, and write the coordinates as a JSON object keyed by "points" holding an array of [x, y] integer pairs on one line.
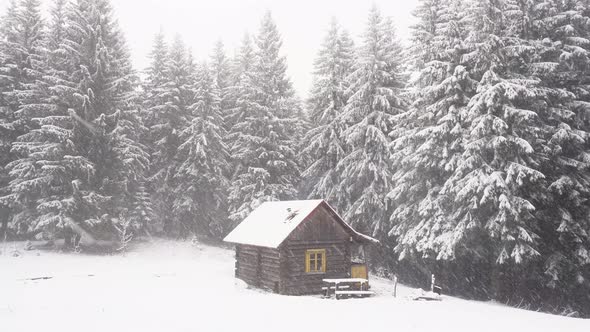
{"points": [[302, 24]]}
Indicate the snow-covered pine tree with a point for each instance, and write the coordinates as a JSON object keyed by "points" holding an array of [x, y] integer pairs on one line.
{"points": [[21, 47], [29, 47], [191, 66], [200, 199], [369, 115], [153, 106], [563, 28], [24, 61], [240, 68], [169, 112], [8, 25], [155, 79], [107, 82], [323, 146], [429, 144], [44, 178], [131, 164], [221, 70], [241, 64], [422, 49], [75, 173], [492, 192], [242, 61], [266, 131]]}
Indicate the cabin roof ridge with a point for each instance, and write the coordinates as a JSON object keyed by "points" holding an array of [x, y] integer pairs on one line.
{"points": [[271, 223]]}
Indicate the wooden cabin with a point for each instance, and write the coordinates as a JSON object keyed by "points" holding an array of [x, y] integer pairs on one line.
{"points": [[289, 247]]}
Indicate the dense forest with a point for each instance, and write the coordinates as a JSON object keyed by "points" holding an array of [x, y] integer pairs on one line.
{"points": [[466, 153]]}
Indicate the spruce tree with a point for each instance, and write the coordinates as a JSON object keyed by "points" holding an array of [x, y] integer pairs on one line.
{"points": [[242, 61], [170, 102], [221, 69], [24, 64], [494, 186], [79, 166], [323, 146], [109, 83], [7, 133], [375, 89], [422, 49], [201, 195], [266, 131], [484, 214], [429, 146], [21, 48], [155, 79], [240, 69], [153, 107], [563, 64]]}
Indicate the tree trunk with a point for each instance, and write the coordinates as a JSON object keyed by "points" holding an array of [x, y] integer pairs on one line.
{"points": [[67, 238], [4, 229]]}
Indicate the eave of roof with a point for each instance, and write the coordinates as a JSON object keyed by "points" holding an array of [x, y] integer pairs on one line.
{"points": [[360, 237]]}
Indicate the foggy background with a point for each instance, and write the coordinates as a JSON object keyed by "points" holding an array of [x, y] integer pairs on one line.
{"points": [[302, 24]]}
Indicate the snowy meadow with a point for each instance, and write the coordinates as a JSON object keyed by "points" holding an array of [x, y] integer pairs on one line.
{"points": [[463, 149], [179, 286]]}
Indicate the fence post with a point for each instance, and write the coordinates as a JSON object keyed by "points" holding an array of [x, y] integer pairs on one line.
{"points": [[432, 280]]}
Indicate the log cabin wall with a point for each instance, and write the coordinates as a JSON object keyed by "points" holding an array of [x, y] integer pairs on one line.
{"points": [[258, 266], [295, 281], [318, 231]]}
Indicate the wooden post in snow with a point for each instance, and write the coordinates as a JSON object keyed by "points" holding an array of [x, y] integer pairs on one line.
{"points": [[432, 280], [395, 286]]}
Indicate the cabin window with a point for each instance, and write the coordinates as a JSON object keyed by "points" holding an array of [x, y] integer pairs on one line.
{"points": [[315, 261]]}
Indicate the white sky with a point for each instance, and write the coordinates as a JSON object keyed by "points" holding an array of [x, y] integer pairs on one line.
{"points": [[302, 23]]}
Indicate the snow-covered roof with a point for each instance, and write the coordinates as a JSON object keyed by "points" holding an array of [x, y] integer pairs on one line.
{"points": [[272, 222]]}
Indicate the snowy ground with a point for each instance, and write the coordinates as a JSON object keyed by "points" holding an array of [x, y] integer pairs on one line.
{"points": [[169, 286]]}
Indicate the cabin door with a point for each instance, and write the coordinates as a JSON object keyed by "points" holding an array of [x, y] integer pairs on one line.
{"points": [[359, 271]]}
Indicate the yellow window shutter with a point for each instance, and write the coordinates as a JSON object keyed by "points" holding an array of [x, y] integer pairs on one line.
{"points": [[307, 259]]}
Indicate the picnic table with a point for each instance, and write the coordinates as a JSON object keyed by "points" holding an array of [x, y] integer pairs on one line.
{"points": [[343, 287]]}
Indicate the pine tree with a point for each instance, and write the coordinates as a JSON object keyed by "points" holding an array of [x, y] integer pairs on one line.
{"points": [[80, 163], [24, 60], [156, 77], [422, 49], [484, 214], [8, 133], [120, 160], [243, 60], [375, 87], [476, 162], [429, 146], [201, 195], [563, 64], [131, 157], [170, 101], [153, 107], [20, 55], [266, 131], [221, 69], [323, 146], [499, 176], [240, 68]]}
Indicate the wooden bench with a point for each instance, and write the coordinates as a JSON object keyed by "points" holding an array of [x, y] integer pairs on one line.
{"points": [[353, 293], [334, 287], [346, 283]]}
